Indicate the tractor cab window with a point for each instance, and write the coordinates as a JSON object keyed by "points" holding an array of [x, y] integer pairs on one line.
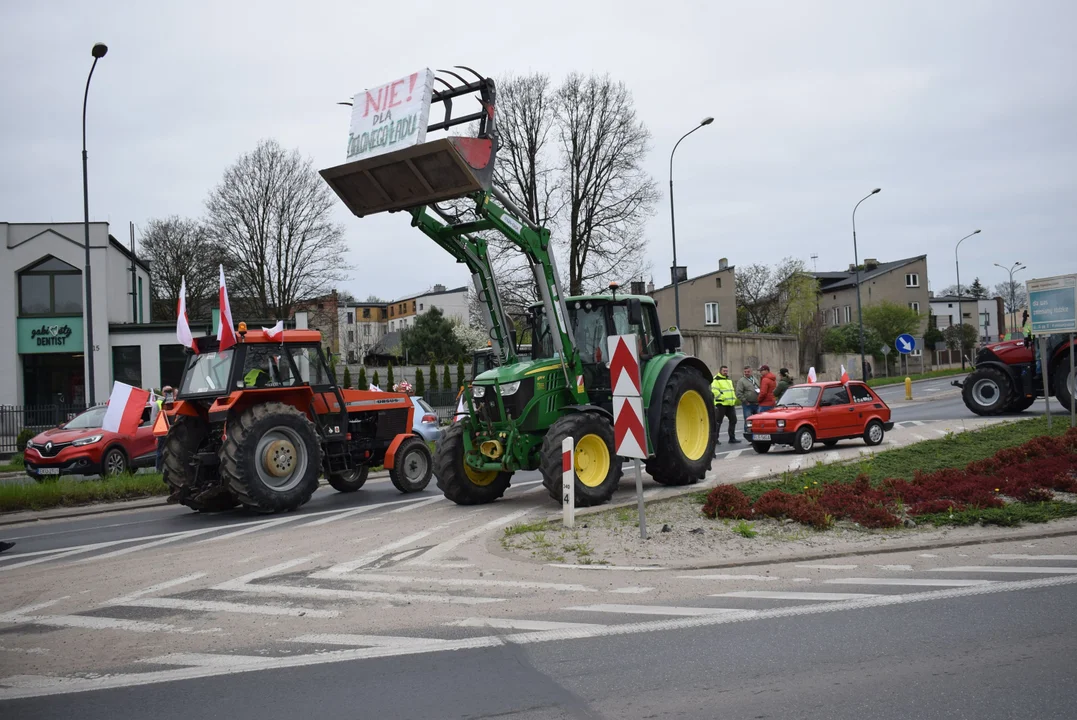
{"points": [[589, 329], [647, 331], [835, 396], [263, 367], [309, 364], [541, 337], [207, 373]]}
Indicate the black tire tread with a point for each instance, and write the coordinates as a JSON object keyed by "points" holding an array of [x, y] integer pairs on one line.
{"points": [[396, 474], [867, 430], [126, 461], [338, 483], [1004, 385], [577, 425], [449, 471], [667, 466], [184, 437]]}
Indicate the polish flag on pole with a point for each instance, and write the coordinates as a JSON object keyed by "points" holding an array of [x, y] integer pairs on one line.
{"points": [[226, 331], [124, 412], [183, 327], [461, 407], [276, 332], [811, 374], [844, 376]]}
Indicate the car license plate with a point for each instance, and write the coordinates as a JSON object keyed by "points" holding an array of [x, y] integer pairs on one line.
{"points": [[48, 471], [760, 436]]}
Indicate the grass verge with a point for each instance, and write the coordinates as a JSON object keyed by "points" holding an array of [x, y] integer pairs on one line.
{"points": [[15, 464], [67, 493], [897, 380]]}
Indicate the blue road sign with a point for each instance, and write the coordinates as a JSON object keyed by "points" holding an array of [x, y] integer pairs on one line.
{"points": [[905, 344], [1053, 302]]}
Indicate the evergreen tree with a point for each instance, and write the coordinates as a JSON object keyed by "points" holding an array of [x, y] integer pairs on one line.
{"points": [[433, 378], [420, 382], [363, 384], [347, 377], [446, 378], [459, 374], [377, 381], [977, 290], [389, 377]]}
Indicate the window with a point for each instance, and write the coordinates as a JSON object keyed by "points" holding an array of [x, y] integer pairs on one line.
{"points": [[834, 396], [366, 312], [836, 318], [915, 306], [351, 318], [351, 336], [711, 314], [308, 361], [646, 332], [912, 280], [392, 309], [420, 307], [413, 306], [848, 313], [141, 317], [172, 359], [860, 394], [590, 332], [366, 330], [51, 287], [127, 364], [718, 283]]}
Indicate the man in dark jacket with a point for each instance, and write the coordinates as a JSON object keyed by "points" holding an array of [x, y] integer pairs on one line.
{"points": [[784, 382], [767, 384]]}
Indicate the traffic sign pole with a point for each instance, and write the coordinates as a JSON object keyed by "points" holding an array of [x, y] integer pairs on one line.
{"points": [[1043, 374], [628, 429], [1073, 390], [639, 500], [568, 482]]}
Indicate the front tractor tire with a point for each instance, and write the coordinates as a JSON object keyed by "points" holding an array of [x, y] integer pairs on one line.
{"points": [[684, 447], [185, 437], [987, 391], [349, 480], [1065, 381], [457, 480], [412, 467], [272, 458], [597, 468]]}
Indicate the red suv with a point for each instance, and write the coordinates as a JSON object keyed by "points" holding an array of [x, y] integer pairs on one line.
{"points": [[820, 412], [81, 447]]}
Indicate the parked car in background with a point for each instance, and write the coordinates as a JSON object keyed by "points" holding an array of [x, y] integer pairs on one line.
{"points": [[823, 412], [425, 423], [81, 447]]}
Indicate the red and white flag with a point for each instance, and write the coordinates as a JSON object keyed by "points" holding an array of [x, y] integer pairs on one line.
{"points": [[276, 332], [461, 407], [226, 331], [124, 412], [811, 374], [183, 326], [844, 375]]}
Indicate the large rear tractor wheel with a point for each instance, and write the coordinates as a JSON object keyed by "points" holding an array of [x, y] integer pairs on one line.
{"points": [[185, 437], [597, 467], [987, 391], [272, 458], [412, 466], [1065, 379], [349, 480], [1019, 403], [457, 480], [684, 447]]}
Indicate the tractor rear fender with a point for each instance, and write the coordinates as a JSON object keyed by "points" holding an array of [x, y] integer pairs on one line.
{"points": [[240, 400], [1009, 370], [569, 409], [656, 374], [390, 454]]}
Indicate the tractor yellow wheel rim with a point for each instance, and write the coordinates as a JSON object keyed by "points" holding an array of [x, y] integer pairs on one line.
{"points": [[693, 425], [592, 460], [482, 478]]}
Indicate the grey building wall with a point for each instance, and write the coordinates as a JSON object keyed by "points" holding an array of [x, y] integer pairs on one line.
{"points": [[716, 287]]}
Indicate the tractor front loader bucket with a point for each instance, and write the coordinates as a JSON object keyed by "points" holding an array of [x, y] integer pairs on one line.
{"points": [[435, 171]]}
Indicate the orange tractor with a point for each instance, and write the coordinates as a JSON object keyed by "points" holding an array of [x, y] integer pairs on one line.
{"points": [[258, 423]]}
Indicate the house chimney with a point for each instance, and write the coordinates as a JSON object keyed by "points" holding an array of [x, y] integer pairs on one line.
{"points": [[870, 263], [723, 263], [650, 286], [638, 287], [439, 288], [852, 267]]}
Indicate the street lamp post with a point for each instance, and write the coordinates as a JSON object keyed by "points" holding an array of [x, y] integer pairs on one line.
{"points": [[859, 311], [98, 52], [960, 314], [1016, 268], [673, 223]]}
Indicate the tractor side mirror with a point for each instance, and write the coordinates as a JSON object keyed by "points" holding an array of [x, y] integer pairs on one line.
{"points": [[635, 312]]}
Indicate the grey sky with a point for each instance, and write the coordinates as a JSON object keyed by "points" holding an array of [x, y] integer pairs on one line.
{"points": [[962, 111]]}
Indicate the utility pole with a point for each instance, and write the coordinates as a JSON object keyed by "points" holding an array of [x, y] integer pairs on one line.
{"points": [[673, 222], [98, 52], [960, 314], [859, 310]]}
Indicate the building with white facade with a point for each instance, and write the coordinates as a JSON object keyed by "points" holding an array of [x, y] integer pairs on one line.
{"points": [[374, 329], [987, 315]]}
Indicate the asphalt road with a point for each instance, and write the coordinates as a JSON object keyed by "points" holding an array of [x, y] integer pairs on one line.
{"points": [[983, 656]]}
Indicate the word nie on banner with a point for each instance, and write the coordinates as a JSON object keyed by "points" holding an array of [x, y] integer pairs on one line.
{"points": [[391, 117]]}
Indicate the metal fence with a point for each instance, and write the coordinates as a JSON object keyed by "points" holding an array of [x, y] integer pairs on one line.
{"points": [[15, 418]]}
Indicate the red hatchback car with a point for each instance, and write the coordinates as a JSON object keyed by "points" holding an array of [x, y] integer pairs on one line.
{"points": [[81, 447], [823, 412]]}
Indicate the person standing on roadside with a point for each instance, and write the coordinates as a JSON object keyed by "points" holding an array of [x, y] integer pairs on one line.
{"points": [[784, 381], [747, 391], [725, 401], [767, 385], [166, 392]]}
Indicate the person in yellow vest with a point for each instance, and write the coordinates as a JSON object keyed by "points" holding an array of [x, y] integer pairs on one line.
{"points": [[725, 401], [165, 395]]}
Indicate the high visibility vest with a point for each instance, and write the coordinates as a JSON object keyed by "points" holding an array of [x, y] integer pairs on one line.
{"points": [[251, 378], [722, 388]]}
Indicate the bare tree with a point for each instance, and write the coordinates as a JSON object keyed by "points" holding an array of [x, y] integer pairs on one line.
{"points": [[753, 290], [780, 298], [179, 248], [1014, 295], [271, 215], [524, 170], [606, 192]]}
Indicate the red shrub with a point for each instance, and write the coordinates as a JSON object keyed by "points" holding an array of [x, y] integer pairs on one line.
{"points": [[927, 507], [727, 501], [773, 504], [875, 517]]}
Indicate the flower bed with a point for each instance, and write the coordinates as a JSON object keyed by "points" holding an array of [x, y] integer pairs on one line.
{"points": [[1027, 473]]}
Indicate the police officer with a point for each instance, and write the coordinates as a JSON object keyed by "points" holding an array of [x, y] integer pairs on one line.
{"points": [[725, 400]]}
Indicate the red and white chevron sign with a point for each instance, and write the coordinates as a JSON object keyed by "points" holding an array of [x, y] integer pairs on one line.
{"points": [[630, 439]]}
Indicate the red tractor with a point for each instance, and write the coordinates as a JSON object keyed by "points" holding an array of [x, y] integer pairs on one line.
{"points": [[1010, 375], [258, 424]]}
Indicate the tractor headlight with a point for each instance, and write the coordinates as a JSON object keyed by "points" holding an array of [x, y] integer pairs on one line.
{"points": [[781, 424], [510, 388], [87, 440], [478, 391]]}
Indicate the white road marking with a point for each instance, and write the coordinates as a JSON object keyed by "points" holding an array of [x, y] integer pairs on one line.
{"points": [[512, 624], [227, 607], [24, 686], [49, 555], [20, 612], [734, 454], [1033, 557], [1015, 569], [918, 436], [365, 640], [764, 595], [155, 588], [927, 555], [654, 610], [828, 567], [926, 582], [721, 576], [335, 594], [633, 590], [254, 527], [940, 432], [148, 545], [421, 503], [441, 550], [208, 660], [605, 567], [894, 567], [271, 570], [377, 553], [91, 622], [457, 582]]}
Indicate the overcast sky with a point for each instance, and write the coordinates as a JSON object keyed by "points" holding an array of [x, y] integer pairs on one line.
{"points": [[962, 111]]}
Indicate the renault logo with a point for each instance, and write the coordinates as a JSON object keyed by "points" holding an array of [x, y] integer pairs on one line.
{"points": [[48, 446]]}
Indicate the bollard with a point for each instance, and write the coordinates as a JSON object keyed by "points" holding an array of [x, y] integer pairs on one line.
{"points": [[908, 388], [568, 482]]}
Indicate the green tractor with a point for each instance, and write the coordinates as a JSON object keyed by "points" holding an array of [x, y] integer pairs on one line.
{"points": [[518, 413]]}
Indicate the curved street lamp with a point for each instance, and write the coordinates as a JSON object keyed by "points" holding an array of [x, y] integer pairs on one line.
{"points": [[673, 223], [98, 52], [859, 310], [1016, 268], [960, 315]]}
